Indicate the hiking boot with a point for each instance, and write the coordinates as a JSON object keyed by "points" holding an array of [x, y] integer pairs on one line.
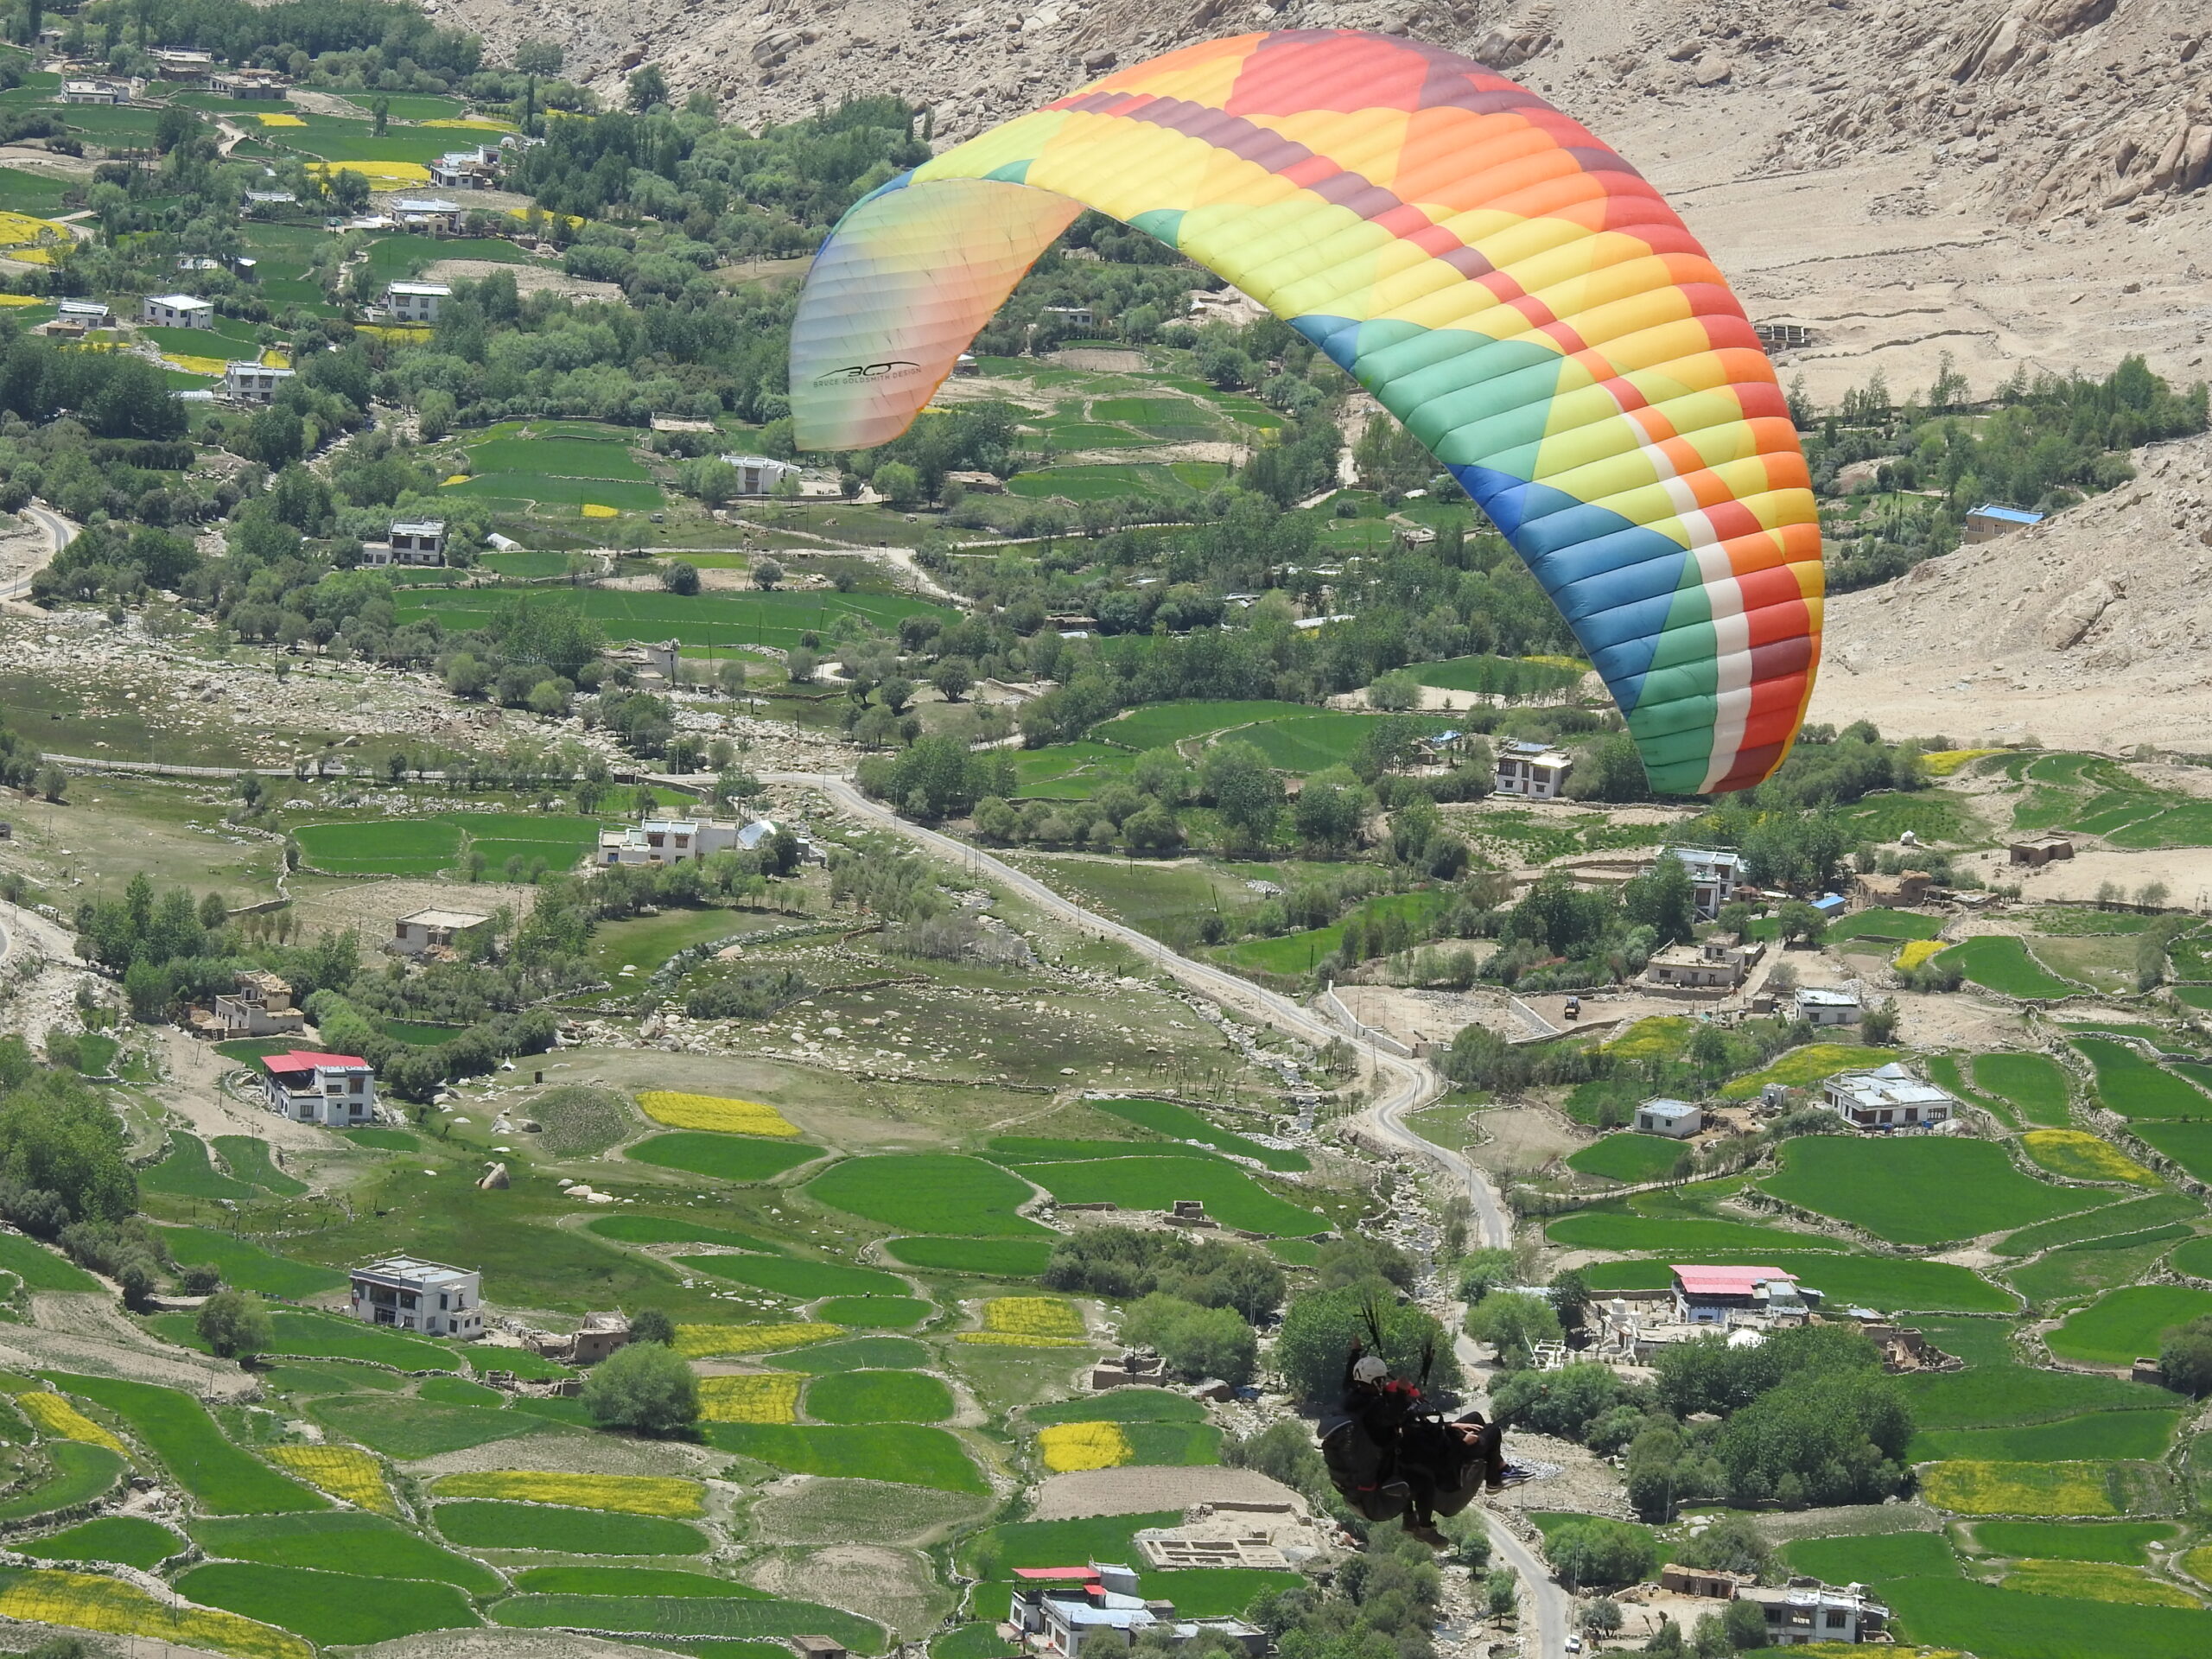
{"points": [[1428, 1533]]}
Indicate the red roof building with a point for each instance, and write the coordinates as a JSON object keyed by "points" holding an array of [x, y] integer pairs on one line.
{"points": [[336, 1091], [1719, 1295]]}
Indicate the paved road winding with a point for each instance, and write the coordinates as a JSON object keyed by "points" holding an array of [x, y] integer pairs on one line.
{"points": [[59, 530], [1401, 1085]]}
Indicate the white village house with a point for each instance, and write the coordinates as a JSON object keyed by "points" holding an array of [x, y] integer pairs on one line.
{"points": [[253, 383], [1537, 770], [1677, 1120], [416, 301], [416, 1295], [176, 311], [1822, 1005], [418, 542], [759, 474], [1888, 1097], [1713, 878], [336, 1091], [432, 930]]}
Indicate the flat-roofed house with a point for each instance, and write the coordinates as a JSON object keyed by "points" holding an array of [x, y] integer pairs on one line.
{"points": [[1678, 1120], [1888, 1097], [1805, 1611], [432, 930], [253, 383], [667, 841], [1535, 771], [411, 1294], [95, 89], [760, 474], [248, 84], [416, 301], [1722, 1296], [1824, 1005], [1990, 523], [336, 1091], [176, 311]]}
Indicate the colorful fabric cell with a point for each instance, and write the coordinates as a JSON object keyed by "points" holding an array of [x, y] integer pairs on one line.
{"points": [[1503, 283]]}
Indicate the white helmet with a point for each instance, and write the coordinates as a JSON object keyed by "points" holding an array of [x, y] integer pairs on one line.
{"points": [[1369, 1370]]}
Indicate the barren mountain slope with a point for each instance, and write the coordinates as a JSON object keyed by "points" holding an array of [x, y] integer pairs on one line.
{"points": [[2093, 630], [2011, 180]]}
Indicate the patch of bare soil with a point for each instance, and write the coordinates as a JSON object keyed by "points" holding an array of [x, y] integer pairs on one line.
{"points": [[193, 1075], [895, 1586], [492, 1644], [86, 1332], [808, 1510], [576, 1453], [1142, 1490], [370, 908], [529, 279]]}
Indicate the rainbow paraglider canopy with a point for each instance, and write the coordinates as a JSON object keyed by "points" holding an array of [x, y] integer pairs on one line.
{"points": [[1503, 282]]}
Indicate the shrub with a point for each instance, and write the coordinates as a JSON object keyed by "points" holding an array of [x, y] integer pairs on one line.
{"points": [[1563, 1402], [1195, 1342], [2185, 1358], [1125, 1263], [235, 1325], [1319, 1330], [645, 1388], [1601, 1552], [1513, 1322]]}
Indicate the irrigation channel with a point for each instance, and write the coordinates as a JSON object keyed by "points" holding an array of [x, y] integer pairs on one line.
{"points": [[1400, 1086]]}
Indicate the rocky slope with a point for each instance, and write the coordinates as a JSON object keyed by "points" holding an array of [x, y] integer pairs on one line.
{"points": [[2092, 630], [2008, 181]]}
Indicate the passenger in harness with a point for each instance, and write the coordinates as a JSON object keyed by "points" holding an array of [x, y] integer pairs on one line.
{"points": [[1392, 1455]]}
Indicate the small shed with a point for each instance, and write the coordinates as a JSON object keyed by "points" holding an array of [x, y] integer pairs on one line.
{"points": [[1678, 1120]]}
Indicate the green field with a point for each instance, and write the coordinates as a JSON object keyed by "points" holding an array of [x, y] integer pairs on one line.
{"points": [[560, 457], [1802, 1067], [401, 1428], [2111, 1221], [630, 1581], [40, 1268], [2131, 1086], [802, 1280], [2076, 1272], [995, 1258], [1617, 1230], [1181, 1123], [346, 1541], [1890, 1284], [1314, 742], [189, 1173], [1873, 1558], [665, 1230], [2093, 1435], [1997, 1394], [1159, 725], [80, 1473], [177, 1429], [37, 195], [1878, 922], [876, 1312], [724, 619], [124, 1538], [2035, 1083], [854, 1354], [427, 846], [1628, 1157], [1130, 1405], [1231, 1197], [1918, 1189], [734, 1158], [328, 1608], [402, 255], [906, 1453], [2010, 1624], [878, 1397], [1292, 954], [928, 1193], [664, 1621], [246, 1266], [1505, 676], [2001, 962], [2123, 1541], [2128, 1322], [2189, 1144], [250, 1160], [489, 1524]]}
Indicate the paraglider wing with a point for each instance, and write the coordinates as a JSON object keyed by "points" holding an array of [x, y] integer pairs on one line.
{"points": [[1501, 281]]}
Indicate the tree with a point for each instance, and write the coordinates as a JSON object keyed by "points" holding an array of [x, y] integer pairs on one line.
{"points": [[645, 1387], [799, 665], [1318, 1329], [1570, 1295], [647, 87], [680, 576], [953, 677], [1600, 1552], [52, 783], [650, 1324], [1664, 900], [1602, 1617], [1237, 779], [1744, 1622], [538, 57], [236, 1326], [2185, 1358], [380, 115], [1502, 1591], [1197, 1342], [1797, 921], [1483, 1271], [1513, 1322], [1331, 808], [767, 574], [176, 125], [1877, 1026], [899, 484]]}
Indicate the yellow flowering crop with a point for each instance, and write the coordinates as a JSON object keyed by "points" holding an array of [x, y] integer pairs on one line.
{"points": [[275, 358], [712, 1341], [1558, 662], [662, 1495], [191, 364], [1032, 1316], [1943, 762], [1085, 1445], [21, 299], [749, 1399], [57, 1416], [2084, 1157], [1661, 1036], [345, 1472], [1011, 1340], [1968, 1487], [710, 1111], [89, 1602], [1917, 951], [479, 123], [594, 510], [280, 118], [386, 173]]}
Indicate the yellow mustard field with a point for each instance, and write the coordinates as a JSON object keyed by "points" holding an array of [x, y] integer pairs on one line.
{"points": [[1032, 1316], [668, 1496], [92, 1603], [2054, 1489], [711, 1341], [1068, 1446], [1916, 951], [344, 1472], [57, 1416], [749, 1399], [716, 1112], [2084, 1157]]}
